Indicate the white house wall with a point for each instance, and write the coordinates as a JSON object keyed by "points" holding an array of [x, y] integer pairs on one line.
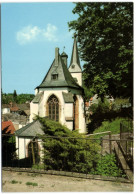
{"points": [[82, 123], [33, 110], [22, 143], [78, 76], [5, 110]]}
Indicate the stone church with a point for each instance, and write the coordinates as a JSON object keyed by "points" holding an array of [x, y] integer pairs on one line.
{"points": [[60, 95]]}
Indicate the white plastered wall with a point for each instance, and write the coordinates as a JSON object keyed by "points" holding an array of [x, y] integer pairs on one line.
{"points": [[22, 147], [69, 113], [66, 109], [33, 110], [78, 76]]}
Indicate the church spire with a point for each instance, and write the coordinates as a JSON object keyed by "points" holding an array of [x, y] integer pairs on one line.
{"points": [[75, 67], [75, 57]]}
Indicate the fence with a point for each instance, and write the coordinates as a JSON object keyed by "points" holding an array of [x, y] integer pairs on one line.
{"points": [[126, 132], [83, 157]]}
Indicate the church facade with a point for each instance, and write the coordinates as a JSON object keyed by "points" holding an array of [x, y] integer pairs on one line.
{"points": [[60, 95]]}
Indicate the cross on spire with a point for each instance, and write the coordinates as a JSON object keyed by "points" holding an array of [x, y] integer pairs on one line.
{"points": [[63, 48]]}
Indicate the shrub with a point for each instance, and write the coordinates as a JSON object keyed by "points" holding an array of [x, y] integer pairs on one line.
{"points": [[67, 150], [107, 166]]}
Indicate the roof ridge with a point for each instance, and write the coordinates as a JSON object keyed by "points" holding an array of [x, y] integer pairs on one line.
{"points": [[19, 131]]}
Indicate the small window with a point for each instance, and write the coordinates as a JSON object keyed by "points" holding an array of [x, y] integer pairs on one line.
{"points": [[73, 66], [54, 76]]}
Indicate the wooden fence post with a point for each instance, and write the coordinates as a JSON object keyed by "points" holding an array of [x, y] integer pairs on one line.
{"points": [[33, 154], [110, 143]]}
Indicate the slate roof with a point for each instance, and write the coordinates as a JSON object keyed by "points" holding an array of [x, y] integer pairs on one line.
{"points": [[75, 59], [25, 106], [5, 106], [64, 77], [8, 127], [68, 97], [37, 97], [32, 129]]}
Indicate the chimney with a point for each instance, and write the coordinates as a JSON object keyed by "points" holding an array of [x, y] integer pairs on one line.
{"points": [[56, 56]]}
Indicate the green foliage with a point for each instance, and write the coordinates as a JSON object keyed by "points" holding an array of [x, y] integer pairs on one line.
{"points": [[67, 150], [106, 111], [107, 166], [101, 107], [33, 184], [15, 96], [113, 126], [106, 46], [8, 149], [14, 182], [22, 98], [19, 99], [7, 98]]}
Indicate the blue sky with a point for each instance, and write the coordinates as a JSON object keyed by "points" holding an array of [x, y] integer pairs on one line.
{"points": [[30, 33]]}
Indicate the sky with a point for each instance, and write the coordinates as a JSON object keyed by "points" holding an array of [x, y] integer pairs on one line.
{"points": [[30, 32]]}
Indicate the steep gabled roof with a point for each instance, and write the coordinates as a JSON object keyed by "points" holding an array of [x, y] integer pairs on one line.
{"points": [[64, 77], [32, 129]]}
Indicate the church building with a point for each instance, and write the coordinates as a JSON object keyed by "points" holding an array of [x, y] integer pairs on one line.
{"points": [[60, 95]]}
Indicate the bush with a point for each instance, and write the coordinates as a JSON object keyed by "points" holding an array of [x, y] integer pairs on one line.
{"points": [[107, 166], [67, 150]]}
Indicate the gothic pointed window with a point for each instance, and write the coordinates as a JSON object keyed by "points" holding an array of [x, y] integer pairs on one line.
{"points": [[53, 108]]}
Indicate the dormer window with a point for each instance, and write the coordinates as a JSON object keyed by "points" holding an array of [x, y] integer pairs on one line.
{"points": [[54, 76]]}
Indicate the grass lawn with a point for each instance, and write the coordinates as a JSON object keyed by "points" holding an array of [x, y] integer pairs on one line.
{"points": [[113, 126]]}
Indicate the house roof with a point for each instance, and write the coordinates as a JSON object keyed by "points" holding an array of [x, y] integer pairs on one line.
{"points": [[68, 97], [32, 129], [64, 77], [38, 97], [8, 127], [5, 106], [23, 106], [27, 112], [64, 54], [13, 109]]}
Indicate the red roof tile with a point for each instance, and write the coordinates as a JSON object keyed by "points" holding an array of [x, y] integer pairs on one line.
{"points": [[14, 109], [8, 127]]}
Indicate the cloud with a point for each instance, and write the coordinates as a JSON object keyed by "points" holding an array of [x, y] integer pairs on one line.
{"points": [[34, 33], [50, 33]]}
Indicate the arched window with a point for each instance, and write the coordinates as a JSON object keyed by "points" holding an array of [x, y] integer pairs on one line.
{"points": [[33, 152], [53, 108]]}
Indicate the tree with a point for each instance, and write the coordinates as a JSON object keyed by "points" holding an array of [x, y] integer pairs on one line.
{"points": [[105, 36], [15, 96]]}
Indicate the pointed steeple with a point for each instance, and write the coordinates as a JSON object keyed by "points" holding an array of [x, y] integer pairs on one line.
{"points": [[75, 67], [75, 62]]}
